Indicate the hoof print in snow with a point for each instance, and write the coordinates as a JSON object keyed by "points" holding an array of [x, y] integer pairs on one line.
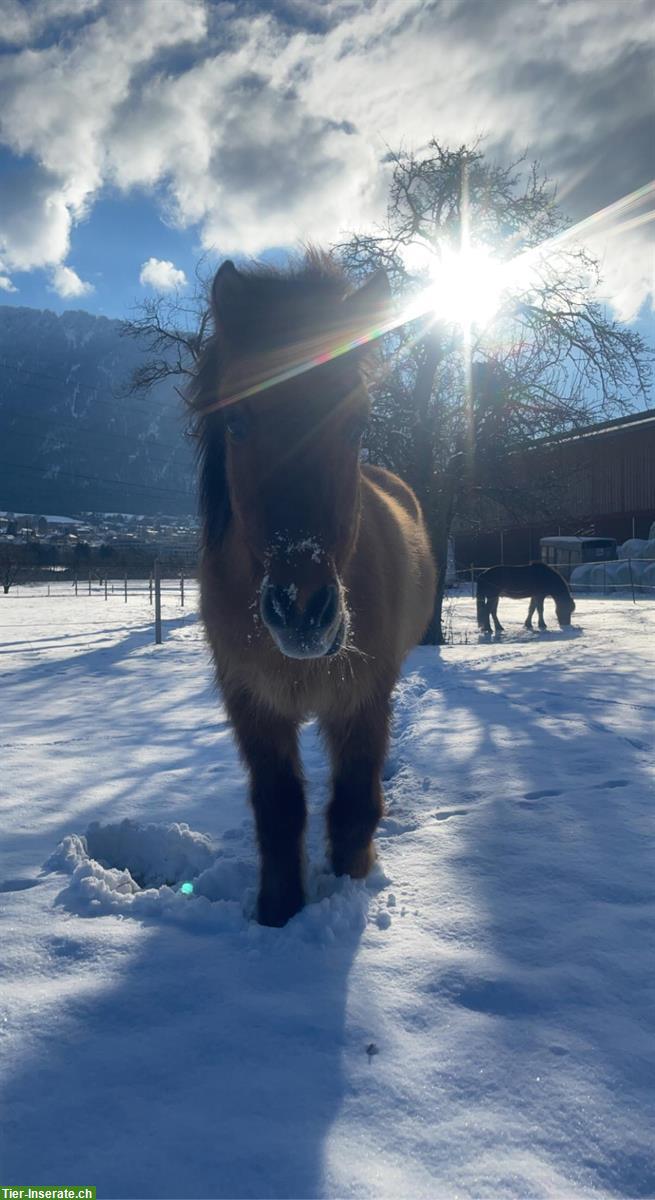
{"points": [[18, 885]]}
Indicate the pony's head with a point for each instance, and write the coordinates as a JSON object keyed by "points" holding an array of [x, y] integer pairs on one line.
{"points": [[564, 607], [289, 411]]}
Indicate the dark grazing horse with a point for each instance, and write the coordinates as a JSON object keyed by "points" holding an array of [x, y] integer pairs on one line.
{"points": [[317, 575], [535, 580]]}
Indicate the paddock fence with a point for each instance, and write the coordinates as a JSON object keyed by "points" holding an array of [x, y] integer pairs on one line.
{"points": [[165, 587]]}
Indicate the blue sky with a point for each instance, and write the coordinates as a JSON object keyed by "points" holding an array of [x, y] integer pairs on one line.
{"points": [[154, 131]]}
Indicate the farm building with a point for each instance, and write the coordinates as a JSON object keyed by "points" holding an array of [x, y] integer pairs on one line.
{"points": [[601, 481]]}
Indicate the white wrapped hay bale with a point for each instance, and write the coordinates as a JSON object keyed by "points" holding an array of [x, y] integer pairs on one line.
{"points": [[618, 573], [648, 575], [581, 577], [598, 574], [632, 548]]}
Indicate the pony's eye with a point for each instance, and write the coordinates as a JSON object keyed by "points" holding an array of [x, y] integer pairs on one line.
{"points": [[237, 426]]}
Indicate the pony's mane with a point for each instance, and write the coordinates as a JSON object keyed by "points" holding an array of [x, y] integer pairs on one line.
{"points": [[309, 287], [309, 284]]}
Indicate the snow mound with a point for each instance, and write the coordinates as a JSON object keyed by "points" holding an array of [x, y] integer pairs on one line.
{"points": [[171, 872], [153, 854]]}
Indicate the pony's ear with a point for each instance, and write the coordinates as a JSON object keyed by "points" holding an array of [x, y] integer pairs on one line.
{"points": [[228, 298], [371, 303]]}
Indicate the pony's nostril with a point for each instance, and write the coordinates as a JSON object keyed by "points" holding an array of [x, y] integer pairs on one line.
{"points": [[277, 606], [322, 607]]}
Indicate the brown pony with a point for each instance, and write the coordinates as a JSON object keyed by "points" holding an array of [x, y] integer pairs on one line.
{"points": [[317, 575]]}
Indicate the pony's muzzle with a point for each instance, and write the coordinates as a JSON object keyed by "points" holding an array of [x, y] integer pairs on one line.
{"points": [[312, 631]]}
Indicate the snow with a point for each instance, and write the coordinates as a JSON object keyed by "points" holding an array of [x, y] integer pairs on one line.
{"points": [[474, 1021]]}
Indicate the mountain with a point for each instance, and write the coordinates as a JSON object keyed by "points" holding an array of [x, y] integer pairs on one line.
{"points": [[71, 437]]}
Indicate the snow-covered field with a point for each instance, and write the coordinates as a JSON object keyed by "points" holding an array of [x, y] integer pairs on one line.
{"points": [[476, 1021]]}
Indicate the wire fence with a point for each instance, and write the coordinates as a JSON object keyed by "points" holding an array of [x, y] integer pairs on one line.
{"points": [[179, 585], [164, 586], [178, 591]]}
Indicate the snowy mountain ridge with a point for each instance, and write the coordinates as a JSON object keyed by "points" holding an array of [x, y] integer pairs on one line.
{"points": [[72, 438]]}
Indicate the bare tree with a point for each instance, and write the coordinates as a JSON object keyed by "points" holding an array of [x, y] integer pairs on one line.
{"points": [[12, 564], [172, 330], [451, 407]]}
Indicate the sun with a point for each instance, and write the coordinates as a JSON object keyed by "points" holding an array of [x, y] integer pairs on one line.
{"points": [[466, 285]]}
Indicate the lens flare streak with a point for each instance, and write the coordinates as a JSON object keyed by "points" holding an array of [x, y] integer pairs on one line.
{"points": [[468, 289]]}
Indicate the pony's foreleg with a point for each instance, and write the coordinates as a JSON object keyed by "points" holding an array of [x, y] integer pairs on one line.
{"points": [[540, 613], [269, 745], [357, 747], [528, 619]]}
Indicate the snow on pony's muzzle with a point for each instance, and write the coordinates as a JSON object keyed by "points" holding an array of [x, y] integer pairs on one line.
{"points": [[315, 630]]}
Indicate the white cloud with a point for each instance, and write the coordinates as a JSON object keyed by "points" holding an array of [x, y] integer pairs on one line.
{"points": [[67, 283], [6, 285], [162, 275], [267, 132], [21, 23]]}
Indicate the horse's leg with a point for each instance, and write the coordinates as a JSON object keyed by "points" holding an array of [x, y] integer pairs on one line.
{"points": [[540, 612], [269, 745], [357, 747], [528, 620], [483, 612], [494, 614]]}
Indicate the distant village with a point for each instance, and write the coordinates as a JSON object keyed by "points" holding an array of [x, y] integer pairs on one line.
{"points": [[39, 546]]}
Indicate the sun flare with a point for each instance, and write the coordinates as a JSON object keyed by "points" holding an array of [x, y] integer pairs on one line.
{"points": [[466, 285]]}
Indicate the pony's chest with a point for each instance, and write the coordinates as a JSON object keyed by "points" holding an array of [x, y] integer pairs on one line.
{"points": [[299, 689]]}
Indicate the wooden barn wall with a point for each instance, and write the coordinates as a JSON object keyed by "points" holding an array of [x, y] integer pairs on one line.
{"points": [[606, 487]]}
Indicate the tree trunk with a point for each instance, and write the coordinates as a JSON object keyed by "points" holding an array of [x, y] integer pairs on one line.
{"points": [[440, 524]]}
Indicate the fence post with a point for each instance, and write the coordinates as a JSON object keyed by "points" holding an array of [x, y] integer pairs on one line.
{"points": [[76, 585], [632, 582], [105, 587], [48, 589], [150, 587], [157, 603], [89, 583], [472, 584], [182, 589], [126, 587]]}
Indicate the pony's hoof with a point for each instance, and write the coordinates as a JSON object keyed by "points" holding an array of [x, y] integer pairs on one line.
{"points": [[357, 863], [277, 910]]}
